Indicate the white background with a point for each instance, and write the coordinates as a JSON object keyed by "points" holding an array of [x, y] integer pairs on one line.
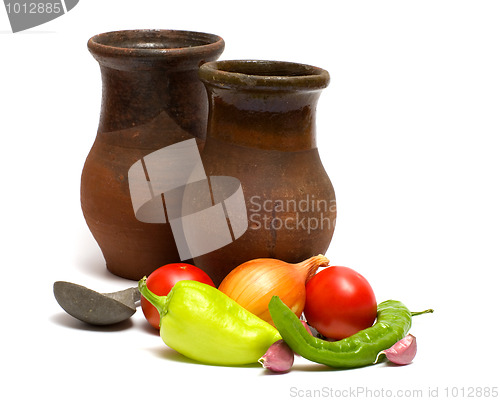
{"points": [[407, 130]]}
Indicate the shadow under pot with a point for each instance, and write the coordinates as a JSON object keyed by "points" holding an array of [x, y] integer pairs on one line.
{"points": [[152, 100], [263, 166]]}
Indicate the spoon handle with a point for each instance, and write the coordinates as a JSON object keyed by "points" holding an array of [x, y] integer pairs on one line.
{"points": [[129, 296], [136, 295]]}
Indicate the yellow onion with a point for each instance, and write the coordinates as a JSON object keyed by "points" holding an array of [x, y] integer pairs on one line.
{"points": [[253, 283]]}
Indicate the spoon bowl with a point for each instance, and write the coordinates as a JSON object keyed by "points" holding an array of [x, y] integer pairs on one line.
{"points": [[96, 308]]}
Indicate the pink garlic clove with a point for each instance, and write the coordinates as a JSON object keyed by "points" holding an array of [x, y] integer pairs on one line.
{"points": [[401, 353], [278, 358], [304, 323]]}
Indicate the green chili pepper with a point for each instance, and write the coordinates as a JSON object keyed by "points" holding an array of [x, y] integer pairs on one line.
{"points": [[204, 324], [361, 349]]}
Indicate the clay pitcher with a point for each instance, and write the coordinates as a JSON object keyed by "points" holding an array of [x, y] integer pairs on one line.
{"points": [[151, 98], [262, 131]]}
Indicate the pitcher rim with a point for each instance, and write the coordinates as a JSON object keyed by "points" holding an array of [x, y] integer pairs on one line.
{"points": [[263, 74]]}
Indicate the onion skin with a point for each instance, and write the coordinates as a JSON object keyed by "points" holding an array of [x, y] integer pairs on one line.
{"points": [[253, 283], [401, 353], [278, 358]]}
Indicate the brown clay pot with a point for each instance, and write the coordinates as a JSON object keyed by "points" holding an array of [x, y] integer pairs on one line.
{"points": [[151, 98], [261, 130]]}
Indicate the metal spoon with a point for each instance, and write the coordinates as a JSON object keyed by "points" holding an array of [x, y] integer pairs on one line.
{"points": [[93, 307]]}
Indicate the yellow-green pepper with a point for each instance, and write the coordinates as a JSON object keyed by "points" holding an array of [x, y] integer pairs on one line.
{"points": [[202, 323]]}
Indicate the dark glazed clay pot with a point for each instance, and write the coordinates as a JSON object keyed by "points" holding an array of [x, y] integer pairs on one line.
{"points": [[261, 130], [151, 98]]}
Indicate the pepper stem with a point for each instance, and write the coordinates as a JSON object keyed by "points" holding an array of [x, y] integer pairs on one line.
{"points": [[159, 302], [423, 312]]}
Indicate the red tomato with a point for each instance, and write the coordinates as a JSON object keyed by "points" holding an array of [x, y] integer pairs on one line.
{"points": [[339, 302], [161, 281]]}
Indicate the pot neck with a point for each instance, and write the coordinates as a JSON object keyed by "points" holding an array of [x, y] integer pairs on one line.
{"points": [[263, 104], [133, 98], [277, 120], [149, 72]]}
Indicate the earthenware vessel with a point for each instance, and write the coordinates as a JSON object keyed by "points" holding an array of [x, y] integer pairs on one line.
{"points": [[151, 98], [262, 131]]}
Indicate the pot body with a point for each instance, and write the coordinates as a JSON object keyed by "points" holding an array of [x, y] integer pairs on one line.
{"points": [[151, 98], [261, 130]]}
